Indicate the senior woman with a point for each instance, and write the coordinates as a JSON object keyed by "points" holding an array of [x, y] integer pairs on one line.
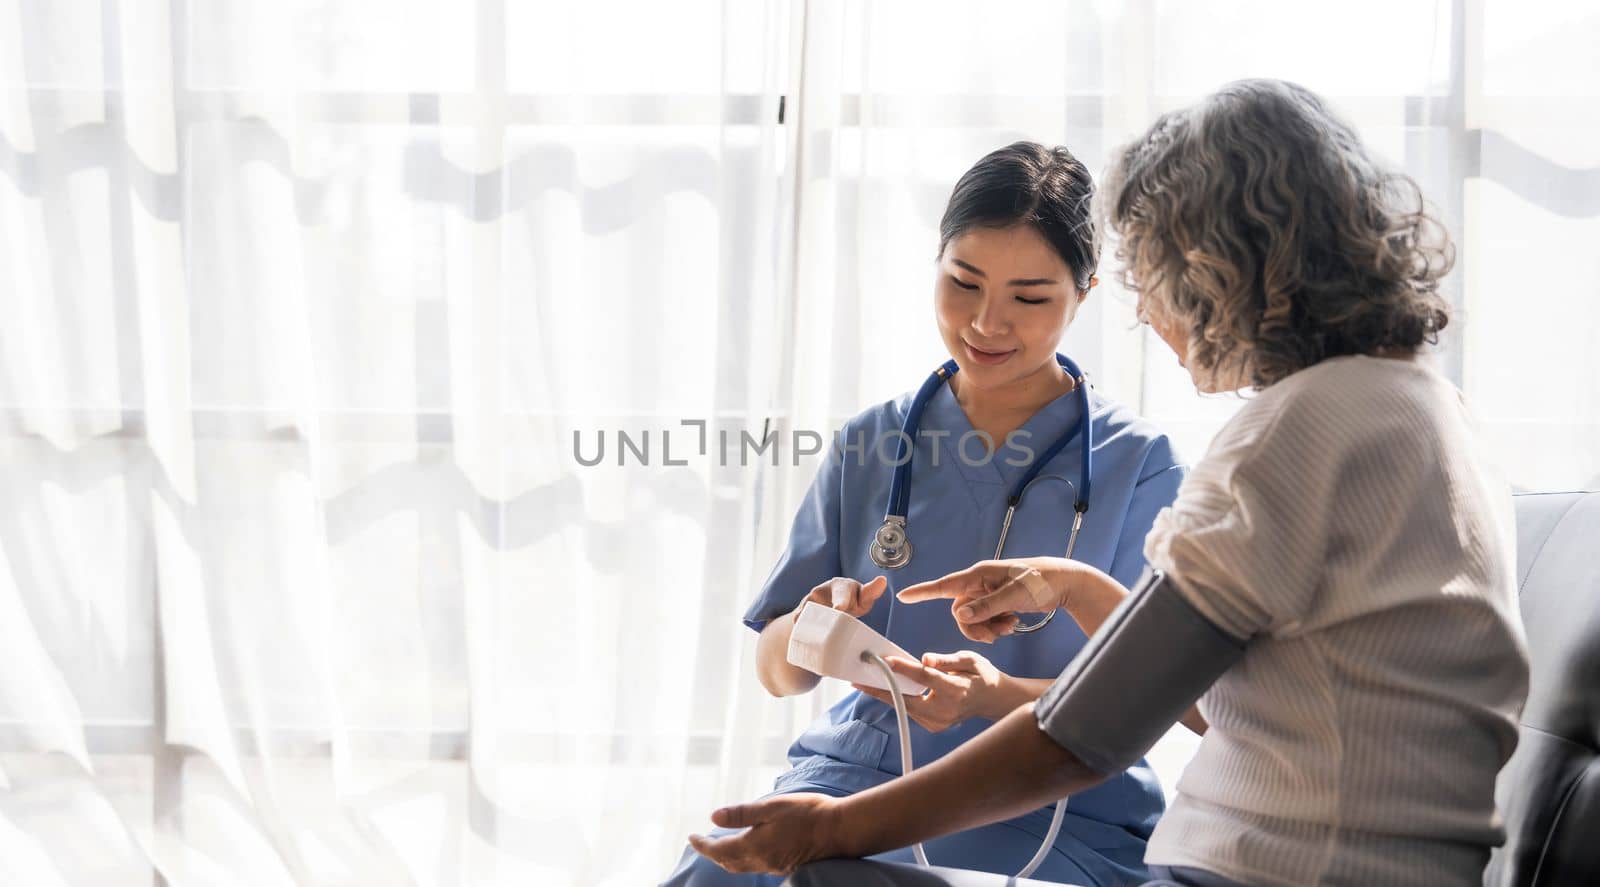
{"points": [[1334, 583]]}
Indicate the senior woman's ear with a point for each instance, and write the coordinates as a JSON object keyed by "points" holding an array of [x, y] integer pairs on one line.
{"points": [[1084, 293]]}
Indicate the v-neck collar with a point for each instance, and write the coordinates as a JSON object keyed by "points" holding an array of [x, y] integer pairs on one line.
{"points": [[993, 477]]}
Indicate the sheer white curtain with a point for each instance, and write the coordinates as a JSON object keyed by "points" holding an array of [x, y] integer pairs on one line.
{"points": [[1530, 193], [302, 304], [311, 314]]}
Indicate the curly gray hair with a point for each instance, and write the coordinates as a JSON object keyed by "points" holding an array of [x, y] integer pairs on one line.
{"points": [[1258, 222]]}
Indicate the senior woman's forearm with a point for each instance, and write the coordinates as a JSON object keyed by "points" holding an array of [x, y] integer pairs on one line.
{"points": [[1005, 771]]}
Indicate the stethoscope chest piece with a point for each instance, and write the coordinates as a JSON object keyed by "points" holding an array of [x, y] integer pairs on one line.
{"points": [[890, 547]]}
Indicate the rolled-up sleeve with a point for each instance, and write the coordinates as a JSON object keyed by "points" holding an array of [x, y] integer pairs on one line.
{"points": [[812, 555], [1245, 539], [1155, 648]]}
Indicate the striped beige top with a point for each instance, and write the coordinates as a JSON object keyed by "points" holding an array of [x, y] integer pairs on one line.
{"points": [[1345, 520]]}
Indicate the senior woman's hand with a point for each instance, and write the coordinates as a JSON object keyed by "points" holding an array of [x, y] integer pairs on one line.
{"points": [[1005, 771], [987, 596], [782, 833]]}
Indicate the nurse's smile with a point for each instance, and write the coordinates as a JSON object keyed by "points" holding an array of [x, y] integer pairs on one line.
{"points": [[988, 357]]}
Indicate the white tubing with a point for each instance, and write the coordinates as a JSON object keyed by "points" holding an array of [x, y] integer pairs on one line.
{"points": [[905, 732], [1049, 841], [905, 770]]}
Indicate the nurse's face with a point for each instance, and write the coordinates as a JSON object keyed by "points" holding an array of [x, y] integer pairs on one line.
{"points": [[1003, 299]]}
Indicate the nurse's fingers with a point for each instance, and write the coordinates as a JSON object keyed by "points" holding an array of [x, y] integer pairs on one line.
{"points": [[989, 631], [976, 579], [849, 596], [932, 678], [874, 692], [1026, 592], [916, 708], [962, 661], [981, 609], [842, 593], [868, 594], [925, 710]]}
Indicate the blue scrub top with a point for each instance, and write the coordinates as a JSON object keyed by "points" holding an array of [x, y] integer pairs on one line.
{"points": [[954, 521]]}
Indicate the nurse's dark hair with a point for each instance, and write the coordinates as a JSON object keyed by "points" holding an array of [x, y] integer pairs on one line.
{"points": [[1258, 223], [1026, 183]]}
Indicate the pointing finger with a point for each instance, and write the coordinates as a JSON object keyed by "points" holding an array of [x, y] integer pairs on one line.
{"points": [[961, 582], [1026, 591]]}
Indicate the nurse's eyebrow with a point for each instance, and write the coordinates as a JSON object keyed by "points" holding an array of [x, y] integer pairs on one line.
{"points": [[1020, 281]]}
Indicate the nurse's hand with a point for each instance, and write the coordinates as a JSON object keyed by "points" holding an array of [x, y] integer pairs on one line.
{"points": [[960, 686], [782, 833], [848, 595], [987, 596]]}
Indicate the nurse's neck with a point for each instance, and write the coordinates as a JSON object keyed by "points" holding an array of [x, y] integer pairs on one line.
{"points": [[1001, 409]]}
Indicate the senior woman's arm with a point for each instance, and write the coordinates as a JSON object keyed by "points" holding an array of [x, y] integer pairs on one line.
{"points": [[1004, 771], [1153, 657]]}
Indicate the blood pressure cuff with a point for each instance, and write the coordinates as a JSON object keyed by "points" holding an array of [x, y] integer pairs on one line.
{"points": [[1154, 656]]}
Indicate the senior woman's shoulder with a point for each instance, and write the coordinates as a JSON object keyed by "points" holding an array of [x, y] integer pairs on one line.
{"points": [[1357, 387], [1341, 398]]}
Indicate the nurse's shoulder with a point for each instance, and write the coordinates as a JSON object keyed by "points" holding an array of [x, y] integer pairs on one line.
{"points": [[859, 440], [1130, 439]]}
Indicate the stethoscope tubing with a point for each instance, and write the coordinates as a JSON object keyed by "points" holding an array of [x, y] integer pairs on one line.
{"points": [[891, 545]]}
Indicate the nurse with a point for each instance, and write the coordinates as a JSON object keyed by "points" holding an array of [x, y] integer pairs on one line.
{"points": [[1017, 255]]}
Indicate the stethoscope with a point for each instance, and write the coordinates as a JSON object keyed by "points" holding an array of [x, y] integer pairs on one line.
{"points": [[891, 548]]}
